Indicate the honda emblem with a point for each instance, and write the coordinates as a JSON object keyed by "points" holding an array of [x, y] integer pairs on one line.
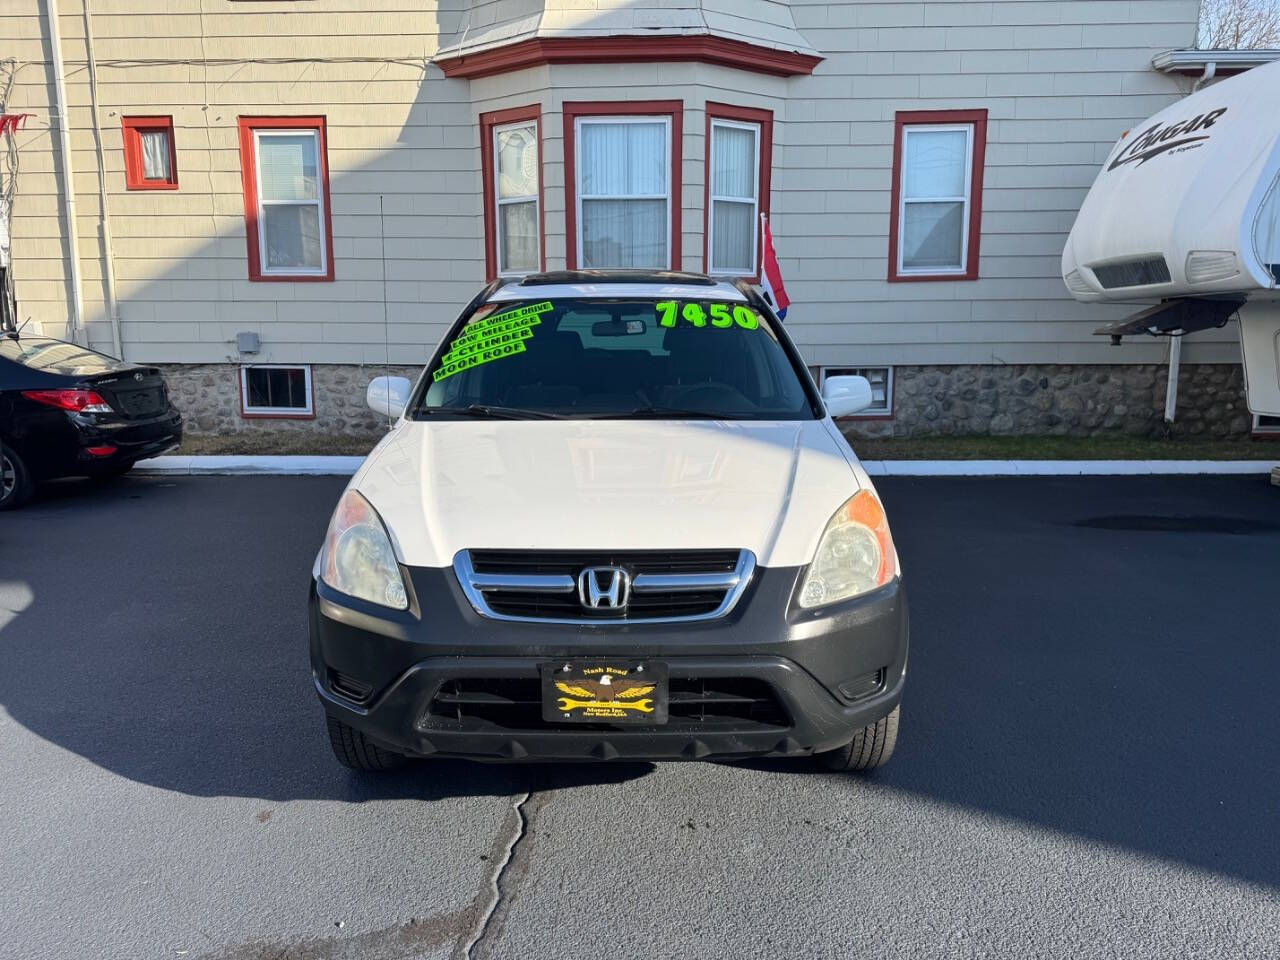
{"points": [[604, 588]]}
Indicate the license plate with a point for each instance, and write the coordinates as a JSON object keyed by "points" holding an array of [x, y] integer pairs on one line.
{"points": [[604, 691]]}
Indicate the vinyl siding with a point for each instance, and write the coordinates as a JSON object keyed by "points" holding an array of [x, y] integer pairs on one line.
{"points": [[1061, 80]]}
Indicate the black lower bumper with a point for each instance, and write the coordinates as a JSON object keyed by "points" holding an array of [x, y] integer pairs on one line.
{"points": [[813, 679], [63, 445]]}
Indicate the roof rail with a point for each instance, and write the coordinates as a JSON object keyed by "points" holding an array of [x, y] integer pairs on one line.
{"points": [[616, 276]]}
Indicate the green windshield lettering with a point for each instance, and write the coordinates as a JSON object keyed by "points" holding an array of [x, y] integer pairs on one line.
{"points": [[496, 338], [477, 357], [695, 314]]}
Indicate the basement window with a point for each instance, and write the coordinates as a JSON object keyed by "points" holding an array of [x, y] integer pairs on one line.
{"points": [[881, 380], [276, 390], [1265, 425]]}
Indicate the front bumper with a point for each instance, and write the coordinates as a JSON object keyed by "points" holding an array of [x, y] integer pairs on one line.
{"points": [[798, 660]]}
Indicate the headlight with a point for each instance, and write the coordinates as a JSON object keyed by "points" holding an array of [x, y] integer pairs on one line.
{"points": [[855, 554], [357, 558]]}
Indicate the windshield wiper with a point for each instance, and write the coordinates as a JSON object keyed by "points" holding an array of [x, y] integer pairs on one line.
{"points": [[494, 412]]}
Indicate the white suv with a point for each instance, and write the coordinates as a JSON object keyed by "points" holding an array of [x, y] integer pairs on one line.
{"points": [[614, 520]]}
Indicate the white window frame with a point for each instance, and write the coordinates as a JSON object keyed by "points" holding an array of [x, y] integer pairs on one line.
{"points": [[318, 202], [252, 411], [579, 197], [714, 197], [966, 200], [1261, 429], [873, 411], [499, 200]]}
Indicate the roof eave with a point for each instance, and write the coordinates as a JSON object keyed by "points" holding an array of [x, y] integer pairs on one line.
{"points": [[1196, 62], [629, 48]]}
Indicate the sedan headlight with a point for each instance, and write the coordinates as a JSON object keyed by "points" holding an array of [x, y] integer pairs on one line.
{"points": [[855, 554], [357, 558]]}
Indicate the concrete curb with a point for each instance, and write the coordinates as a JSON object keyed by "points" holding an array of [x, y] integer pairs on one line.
{"points": [[235, 466], [1061, 468], [345, 466]]}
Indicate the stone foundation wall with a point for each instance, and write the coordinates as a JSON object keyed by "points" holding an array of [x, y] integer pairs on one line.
{"points": [[1079, 400], [209, 397], [1061, 399]]}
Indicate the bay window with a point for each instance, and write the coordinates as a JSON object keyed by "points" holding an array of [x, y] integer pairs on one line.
{"points": [[739, 152], [624, 188], [937, 195], [511, 163], [286, 188]]}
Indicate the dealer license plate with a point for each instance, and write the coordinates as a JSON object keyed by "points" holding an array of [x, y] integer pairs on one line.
{"points": [[604, 691]]}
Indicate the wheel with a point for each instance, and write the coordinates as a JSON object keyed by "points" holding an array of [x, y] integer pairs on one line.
{"points": [[353, 749], [16, 486], [871, 748]]}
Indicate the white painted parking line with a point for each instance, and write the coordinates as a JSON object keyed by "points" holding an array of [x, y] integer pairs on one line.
{"points": [[346, 466]]}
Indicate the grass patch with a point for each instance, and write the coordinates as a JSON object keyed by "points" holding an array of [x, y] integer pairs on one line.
{"points": [[1107, 447], [268, 442]]}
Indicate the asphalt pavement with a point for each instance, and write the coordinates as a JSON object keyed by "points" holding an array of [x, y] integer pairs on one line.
{"points": [[1089, 762]]}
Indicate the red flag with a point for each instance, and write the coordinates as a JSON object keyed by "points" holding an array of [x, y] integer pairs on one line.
{"points": [[771, 276]]}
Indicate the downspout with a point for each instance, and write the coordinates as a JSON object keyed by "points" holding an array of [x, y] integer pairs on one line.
{"points": [[75, 326], [104, 220], [1210, 70]]}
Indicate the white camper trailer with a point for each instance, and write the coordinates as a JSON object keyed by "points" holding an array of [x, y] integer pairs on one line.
{"points": [[1186, 214]]}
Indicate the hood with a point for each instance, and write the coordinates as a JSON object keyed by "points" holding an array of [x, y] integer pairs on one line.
{"points": [[769, 487]]}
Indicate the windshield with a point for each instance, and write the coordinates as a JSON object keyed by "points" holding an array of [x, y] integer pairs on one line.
{"points": [[616, 357]]}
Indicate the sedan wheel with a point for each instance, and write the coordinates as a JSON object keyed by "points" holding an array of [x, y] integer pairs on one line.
{"points": [[15, 482]]}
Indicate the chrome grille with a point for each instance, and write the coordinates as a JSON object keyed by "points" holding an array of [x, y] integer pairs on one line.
{"points": [[542, 585]]}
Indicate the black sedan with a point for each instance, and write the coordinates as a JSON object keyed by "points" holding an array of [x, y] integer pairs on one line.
{"points": [[68, 411]]}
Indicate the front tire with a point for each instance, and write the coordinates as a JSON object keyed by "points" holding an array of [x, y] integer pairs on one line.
{"points": [[870, 748], [16, 485], [353, 749]]}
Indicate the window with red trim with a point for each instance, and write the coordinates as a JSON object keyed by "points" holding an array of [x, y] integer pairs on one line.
{"points": [[150, 157], [622, 184], [738, 170], [511, 165], [935, 220], [288, 228]]}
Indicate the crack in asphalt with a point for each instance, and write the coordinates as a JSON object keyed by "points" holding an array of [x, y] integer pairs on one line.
{"points": [[481, 929]]}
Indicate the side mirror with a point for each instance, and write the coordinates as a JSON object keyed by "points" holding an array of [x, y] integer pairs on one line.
{"points": [[388, 395], [846, 395]]}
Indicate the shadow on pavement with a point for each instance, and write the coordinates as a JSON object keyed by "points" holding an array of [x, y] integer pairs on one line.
{"points": [[157, 627], [1106, 679]]}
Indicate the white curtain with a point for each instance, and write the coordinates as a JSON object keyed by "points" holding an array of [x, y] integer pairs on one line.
{"points": [[733, 205], [733, 162], [624, 233], [934, 193], [623, 179], [518, 229], [733, 233], [623, 159], [155, 154]]}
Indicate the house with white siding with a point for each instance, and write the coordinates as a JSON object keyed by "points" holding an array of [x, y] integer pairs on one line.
{"points": [[275, 201]]}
